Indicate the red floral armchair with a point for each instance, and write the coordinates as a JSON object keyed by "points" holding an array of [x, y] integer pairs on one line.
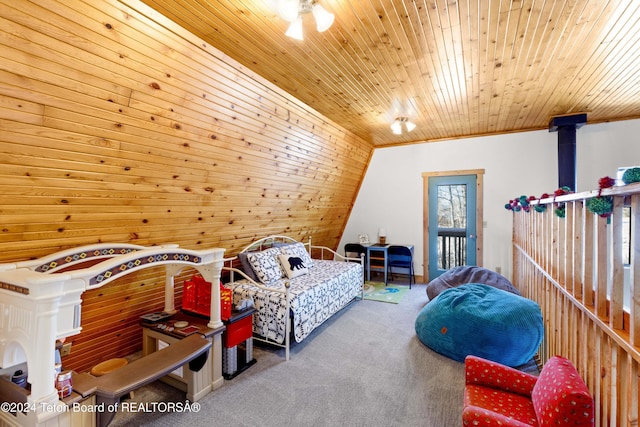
{"points": [[497, 395]]}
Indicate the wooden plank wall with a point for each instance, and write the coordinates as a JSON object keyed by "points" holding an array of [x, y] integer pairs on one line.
{"points": [[116, 125]]}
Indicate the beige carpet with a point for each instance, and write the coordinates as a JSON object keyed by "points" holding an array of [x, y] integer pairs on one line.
{"points": [[363, 367]]}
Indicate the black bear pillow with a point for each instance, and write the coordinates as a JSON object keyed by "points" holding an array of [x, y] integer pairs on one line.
{"points": [[292, 265]]}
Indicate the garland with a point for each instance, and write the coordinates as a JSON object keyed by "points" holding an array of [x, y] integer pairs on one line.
{"points": [[599, 205], [523, 203], [602, 206], [631, 175]]}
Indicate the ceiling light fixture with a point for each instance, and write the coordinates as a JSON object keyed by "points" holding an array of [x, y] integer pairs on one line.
{"points": [[292, 11], [402, 114], [396, 126]]}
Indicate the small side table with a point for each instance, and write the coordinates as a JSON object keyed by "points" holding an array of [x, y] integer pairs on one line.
{"points": [[239, 331]]}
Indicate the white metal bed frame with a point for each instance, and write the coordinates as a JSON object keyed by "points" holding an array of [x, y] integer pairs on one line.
{"points": [[269, 242]]}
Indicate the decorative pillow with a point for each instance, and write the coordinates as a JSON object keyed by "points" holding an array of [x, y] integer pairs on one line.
{"points": [[560, 397], [298, 250], [293, 266], [265, 264], [246, 266]]}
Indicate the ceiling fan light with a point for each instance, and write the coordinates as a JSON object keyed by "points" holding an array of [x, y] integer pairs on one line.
{"points": [[324, 19], [295, 29], [410, 125], [396, 127], [288, 9]]}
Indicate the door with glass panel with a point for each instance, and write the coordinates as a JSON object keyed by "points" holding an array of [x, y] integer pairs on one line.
{"points": [[452, 222]]}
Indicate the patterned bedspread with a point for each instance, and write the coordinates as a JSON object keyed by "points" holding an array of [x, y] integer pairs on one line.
{"points": [[315, 296]]}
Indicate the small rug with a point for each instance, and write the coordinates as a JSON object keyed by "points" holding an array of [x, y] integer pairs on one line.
{"points": [[375, 291]]}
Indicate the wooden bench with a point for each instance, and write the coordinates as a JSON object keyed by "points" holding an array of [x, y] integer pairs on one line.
{"points": [[110, 387]]}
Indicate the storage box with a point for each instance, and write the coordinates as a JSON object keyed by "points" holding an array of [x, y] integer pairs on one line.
{"points": [[196, 298], [238, 331]]}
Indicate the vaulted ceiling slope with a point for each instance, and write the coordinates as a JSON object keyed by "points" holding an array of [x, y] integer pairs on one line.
{"points": [[471, 67]]}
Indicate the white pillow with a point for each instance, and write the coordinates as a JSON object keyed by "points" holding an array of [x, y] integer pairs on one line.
{"points": [[292, 265], [265, 264], [298, 250]]}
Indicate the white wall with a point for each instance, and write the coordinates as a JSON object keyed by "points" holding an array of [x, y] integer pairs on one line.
{"points": [[603, 148], [515, 164]]}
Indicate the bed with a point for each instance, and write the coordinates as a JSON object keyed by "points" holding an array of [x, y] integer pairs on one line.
{"points": [[292, 292]]}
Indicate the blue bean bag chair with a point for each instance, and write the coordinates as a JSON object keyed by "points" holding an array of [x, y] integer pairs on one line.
{"points": [[480, 320]]}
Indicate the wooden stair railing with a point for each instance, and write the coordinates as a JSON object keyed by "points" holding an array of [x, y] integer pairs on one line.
{"points": [[589, 293]]}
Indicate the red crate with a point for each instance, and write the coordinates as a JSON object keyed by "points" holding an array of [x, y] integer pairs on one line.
{"points": [[238, 332], [196, 298]]}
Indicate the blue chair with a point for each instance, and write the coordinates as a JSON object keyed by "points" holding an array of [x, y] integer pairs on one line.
{"points": [[400, 257]]}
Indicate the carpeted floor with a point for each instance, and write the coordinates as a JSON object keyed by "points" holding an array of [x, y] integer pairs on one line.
{"points": [[363, 367]]}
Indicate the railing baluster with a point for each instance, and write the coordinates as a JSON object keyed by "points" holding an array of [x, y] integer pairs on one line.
{"points": [[588, 259], [617, 274], [565, 249], [601, 268], [578, 252], [634, 280], [452, 244]]}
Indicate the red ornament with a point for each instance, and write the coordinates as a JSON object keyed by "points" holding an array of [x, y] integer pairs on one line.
{"points": [[605, 182]]}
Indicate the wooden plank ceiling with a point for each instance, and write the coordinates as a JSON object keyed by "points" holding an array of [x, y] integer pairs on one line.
{"points": [[471, 67]]}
